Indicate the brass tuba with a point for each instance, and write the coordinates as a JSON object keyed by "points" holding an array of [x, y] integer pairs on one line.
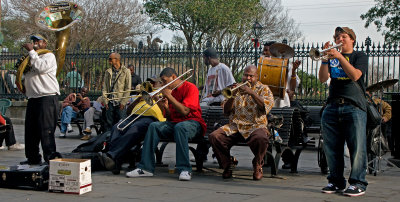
{"points": [[58, 17]]}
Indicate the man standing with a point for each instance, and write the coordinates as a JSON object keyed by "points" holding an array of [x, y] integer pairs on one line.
{"points": [[182, 110], [247, 121], [116, 79], [73, 78], [344, 118], [136, 80], [219, 76], [292, 80], [42, 90]]}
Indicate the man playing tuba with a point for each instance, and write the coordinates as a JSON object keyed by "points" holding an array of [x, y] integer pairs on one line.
{"points": [[42, 90]]}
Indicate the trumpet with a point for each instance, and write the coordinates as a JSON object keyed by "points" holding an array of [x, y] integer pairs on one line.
{"points": [[228, 92], [147, 97], [316, 54], [145, 86]]}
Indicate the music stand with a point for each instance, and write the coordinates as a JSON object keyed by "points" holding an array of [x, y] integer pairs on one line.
{"points": [[376, 161]]}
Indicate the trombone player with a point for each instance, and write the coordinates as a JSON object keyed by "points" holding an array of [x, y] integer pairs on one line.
{"points": [[247, 111], [117, 84], [122, 141]]}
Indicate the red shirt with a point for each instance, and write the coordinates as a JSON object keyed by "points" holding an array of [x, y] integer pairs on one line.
{"points": [[188, 95]]}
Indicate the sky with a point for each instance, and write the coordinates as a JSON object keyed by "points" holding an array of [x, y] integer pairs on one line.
{"points": [[318, 19]]}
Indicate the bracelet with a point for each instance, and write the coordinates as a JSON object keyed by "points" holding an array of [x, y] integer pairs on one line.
{"points": [[325, 63]]}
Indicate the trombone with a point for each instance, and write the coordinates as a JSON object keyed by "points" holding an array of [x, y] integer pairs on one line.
{"points": [[145, 86], [228, 92], [147, 97], [316, 54]]}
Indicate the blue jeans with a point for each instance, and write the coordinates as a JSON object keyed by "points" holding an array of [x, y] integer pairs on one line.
{"points": [[123, 141], [180, 132], [67, 114], [340, 123]]}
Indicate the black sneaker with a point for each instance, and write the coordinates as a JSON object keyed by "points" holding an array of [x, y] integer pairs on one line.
{"points": [[331, 188], [354, 190]]}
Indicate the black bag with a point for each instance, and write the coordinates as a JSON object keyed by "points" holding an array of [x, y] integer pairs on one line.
{"points": [[374, 118], [95, 144], [36, 177]]}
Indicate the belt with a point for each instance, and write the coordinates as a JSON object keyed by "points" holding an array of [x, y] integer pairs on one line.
{"points": [[340, 101]]}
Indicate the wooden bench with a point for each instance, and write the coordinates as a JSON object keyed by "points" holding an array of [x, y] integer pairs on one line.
{"points": [[213, 115]]}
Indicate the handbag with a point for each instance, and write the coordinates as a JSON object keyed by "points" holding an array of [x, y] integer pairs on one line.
{"points": [[374, 118]]}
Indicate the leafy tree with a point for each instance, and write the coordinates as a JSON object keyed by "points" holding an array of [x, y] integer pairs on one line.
{"points": [[386, 16]]}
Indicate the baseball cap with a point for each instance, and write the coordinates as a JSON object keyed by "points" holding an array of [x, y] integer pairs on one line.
{"points": [[154, 79], [346, 30], [210, 52], [38, 37]]}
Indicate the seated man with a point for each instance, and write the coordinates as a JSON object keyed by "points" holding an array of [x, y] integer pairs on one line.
{"points": [[90, 115], [7, 133], [122, 141], [182, 109], [247, 122], [73, 104]]}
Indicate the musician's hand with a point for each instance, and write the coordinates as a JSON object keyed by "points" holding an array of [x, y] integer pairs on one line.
{"points": [[163, 103], [121, 107], [327, 45], [28, 46], [216, 93], [333, 53], [166, 92], [296, 64], [245, 89]]}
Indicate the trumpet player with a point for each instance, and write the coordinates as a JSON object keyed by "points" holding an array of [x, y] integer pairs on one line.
{"points": [[116, 79], [42, 90], [344, 118], [247, 111]]}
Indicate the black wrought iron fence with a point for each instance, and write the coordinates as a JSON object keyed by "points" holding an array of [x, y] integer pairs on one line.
{"points": [[384, 62]]}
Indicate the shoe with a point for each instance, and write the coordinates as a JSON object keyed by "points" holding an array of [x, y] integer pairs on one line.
{"points": [[353, 190], [86, 137], [331, 188], [2, 148], [227, 173], [16, 146], [27, 162], [106, 161], [62, 135], [234, 162], [139, 173], [185, 176], [286, 166], [258, 172], [69, 128], [87, 131]]}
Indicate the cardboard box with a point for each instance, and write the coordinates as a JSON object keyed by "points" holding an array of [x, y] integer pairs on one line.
{"points": [[72, 176]]}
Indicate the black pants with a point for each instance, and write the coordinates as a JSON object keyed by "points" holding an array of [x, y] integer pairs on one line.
{"points": [[8, 134], [112, 116], [40, 125]]}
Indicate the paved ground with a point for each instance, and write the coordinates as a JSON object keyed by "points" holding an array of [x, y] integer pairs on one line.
{"points": [[208, 185]]}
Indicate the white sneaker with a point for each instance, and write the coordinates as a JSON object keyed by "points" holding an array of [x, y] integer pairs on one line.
{"points": [[62, 135], [185, 176], [16, 146], [2, 147], [69, 128], [139, 173]]}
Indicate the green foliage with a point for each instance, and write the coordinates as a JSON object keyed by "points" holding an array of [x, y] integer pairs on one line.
{"points": [[385, 14]]}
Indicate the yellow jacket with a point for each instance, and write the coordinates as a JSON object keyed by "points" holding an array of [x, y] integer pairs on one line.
{"points": [[386, 108], [155, 111]]}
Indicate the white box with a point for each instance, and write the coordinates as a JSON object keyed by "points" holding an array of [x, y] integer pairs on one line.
{"points": [[72, 176]]}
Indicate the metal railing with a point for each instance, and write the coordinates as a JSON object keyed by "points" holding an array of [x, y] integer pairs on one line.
{"points": [[384, 64]]}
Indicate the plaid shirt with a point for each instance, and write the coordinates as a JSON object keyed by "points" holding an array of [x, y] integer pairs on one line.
{"points": [[246, 116]]}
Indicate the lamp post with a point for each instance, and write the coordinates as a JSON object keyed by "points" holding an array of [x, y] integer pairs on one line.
{"points": [[256, 31]]}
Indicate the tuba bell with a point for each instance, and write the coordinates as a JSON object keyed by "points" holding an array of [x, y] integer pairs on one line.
{"points": [[58, 17]]}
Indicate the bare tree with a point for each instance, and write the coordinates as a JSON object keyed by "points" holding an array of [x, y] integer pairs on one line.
{"points": [[106, 23]]}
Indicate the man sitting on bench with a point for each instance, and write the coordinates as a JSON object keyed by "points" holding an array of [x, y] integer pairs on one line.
{"points": [[247, 109], [73, 104], [182, 108], [123, 140]]}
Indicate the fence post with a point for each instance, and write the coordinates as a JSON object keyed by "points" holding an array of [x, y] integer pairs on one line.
{"points": [[367, 51]]}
